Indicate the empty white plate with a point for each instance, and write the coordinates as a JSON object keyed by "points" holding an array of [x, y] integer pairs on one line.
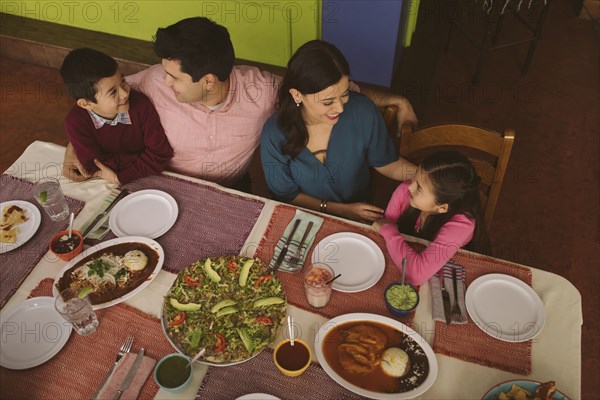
{"points": [[356, 257], [32, 333], [148, 213], [505, 307]]}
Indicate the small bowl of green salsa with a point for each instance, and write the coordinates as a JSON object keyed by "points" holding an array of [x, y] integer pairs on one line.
{"points": [[172, 372], [401, 299]]}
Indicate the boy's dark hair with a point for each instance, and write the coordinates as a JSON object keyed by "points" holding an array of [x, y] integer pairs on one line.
{"points": [[456, 183], [202, 46], [83, 68], [315, 66]]}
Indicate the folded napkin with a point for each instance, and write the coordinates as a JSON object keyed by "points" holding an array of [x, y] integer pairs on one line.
{"points": [[102, 230], [293, 248], [436, 293], [111, 387]]}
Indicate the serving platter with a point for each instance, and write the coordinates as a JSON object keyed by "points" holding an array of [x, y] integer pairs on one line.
{"points": [[46, 333], [98, 250], [529, 385], [212, 302], [26, 229], [505, 307], [356, 257], [320, 340], [149, 213]]}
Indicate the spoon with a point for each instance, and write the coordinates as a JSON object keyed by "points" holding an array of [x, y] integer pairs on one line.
{"points": [[197, 356], [333, 279], [291, 329], [403, 269], [71, 224]]}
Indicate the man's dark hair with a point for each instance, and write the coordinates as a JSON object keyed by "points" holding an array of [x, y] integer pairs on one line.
{"points": [[83, 68], [202, 46]]}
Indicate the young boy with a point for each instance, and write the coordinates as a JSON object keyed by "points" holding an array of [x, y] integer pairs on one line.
{"points": [[115, 131]]}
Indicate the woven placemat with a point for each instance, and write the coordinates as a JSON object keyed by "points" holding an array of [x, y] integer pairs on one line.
{"points": [[367, 301], [77, 370], [18, 263], [468, 342], [260, 375], [210, 223]]}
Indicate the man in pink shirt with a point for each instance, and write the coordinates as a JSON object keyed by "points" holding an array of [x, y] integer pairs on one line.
{"points": [[211, 110]]}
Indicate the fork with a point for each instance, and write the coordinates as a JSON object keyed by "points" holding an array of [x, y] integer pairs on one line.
{"points": [[125, 348], [456, 314]]}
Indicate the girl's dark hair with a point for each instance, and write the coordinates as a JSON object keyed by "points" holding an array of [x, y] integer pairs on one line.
{"points": [[315, 66], [456, 183], [202, 46], [83, 68]]}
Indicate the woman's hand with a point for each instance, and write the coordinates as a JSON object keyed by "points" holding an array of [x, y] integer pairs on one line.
{"points": [[379, 223], [362, 212], [106, 173]]}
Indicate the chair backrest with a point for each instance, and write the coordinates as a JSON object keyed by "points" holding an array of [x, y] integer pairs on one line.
{"points": [[489, 152]]}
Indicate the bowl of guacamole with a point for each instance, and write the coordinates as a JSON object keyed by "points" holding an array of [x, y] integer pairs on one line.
{"points": [[401, 299]]}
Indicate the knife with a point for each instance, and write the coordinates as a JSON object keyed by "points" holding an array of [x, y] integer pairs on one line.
{"points": [[130, 374], [99, 217], [284, 250], [446, 300]]}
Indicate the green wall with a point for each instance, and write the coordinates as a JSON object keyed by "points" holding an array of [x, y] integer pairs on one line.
{"points": [[264, 31]]}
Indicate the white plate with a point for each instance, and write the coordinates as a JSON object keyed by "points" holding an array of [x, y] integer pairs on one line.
{"points": [[427, 383], [148, 213], [505, 307], [26, 229], [98, 249], [257, 396], [32, 333], [529, 385], [356, 257]]}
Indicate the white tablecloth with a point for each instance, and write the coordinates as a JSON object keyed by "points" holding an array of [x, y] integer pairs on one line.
{"points": [[556, 352]]}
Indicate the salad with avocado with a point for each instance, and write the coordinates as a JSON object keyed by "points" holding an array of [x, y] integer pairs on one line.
{"points": [[230, 305]]}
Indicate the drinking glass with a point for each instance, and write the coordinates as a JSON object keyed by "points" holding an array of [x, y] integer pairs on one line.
{"points": [[318, 291], [76, 309], [49, 195]]}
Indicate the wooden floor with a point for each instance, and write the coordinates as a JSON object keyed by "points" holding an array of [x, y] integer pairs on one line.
{"points": [[548, 212]]}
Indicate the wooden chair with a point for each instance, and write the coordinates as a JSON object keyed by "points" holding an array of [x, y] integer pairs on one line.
{"points": [[489, 152]]}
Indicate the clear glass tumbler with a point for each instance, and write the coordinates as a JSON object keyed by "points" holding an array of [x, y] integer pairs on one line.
{"points": [[76, 309], [318, 292], [49, 195]]}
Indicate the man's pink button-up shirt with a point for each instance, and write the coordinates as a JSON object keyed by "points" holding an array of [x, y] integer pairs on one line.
{"points": [[213, 145]]}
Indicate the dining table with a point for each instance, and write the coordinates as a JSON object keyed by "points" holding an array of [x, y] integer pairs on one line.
{"points": [[553, 355]]}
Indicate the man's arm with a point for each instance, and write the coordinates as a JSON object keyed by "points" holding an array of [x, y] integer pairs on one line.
{"points": [[381, 98], [72, 168]]}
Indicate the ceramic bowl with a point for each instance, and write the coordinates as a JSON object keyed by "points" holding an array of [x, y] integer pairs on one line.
{"points": [[397, 311], [166, 366], [68, 256]]}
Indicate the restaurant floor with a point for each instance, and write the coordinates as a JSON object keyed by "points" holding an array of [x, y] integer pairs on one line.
{"points": [[548, 211]]}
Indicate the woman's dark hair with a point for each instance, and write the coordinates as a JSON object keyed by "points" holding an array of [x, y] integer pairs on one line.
{"points": [[202, 46], [456, 183], [315, 66], [83, 68]]}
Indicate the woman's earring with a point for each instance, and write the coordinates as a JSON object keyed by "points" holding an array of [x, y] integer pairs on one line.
{"points": [[297, 104]]}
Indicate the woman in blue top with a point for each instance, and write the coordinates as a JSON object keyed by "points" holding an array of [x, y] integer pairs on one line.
{"points": [[317, 148]]}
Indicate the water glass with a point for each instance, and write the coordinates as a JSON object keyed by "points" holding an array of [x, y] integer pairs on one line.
{"points": [[49, 195], [76, 309], [318, 291]]}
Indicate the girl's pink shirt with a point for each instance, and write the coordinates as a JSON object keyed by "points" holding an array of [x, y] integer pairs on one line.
{"points": [[453, 235]]}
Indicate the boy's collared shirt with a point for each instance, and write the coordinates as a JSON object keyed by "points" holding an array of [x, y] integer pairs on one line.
{"points": [[99, 122]]}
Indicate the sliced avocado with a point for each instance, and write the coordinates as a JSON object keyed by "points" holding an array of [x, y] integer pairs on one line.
{"points": [[226, 310], [267, 301], [185, 307], [196, 338], [221, 304], [85, 291], [245, 272], [246, 339], [211, 273]]}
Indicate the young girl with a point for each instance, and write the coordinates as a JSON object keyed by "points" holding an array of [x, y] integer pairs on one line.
{"points": [[441, 204]]}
